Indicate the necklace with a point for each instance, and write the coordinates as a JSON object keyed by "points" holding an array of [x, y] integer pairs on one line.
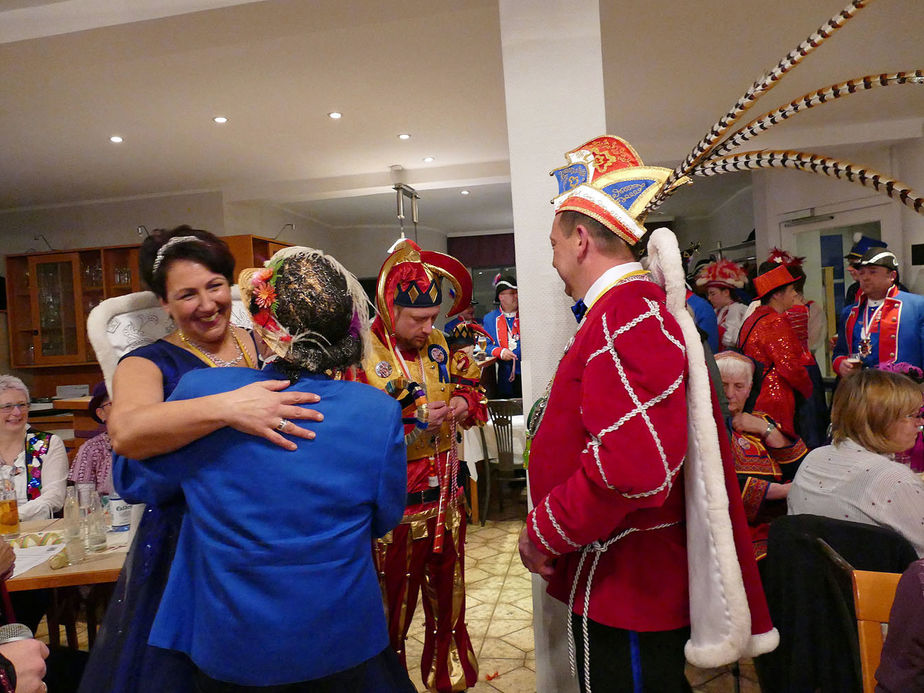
{"points": [[216, 360]]}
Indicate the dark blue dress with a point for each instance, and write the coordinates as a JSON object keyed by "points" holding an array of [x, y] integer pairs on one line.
{"points": [[121, 660]]}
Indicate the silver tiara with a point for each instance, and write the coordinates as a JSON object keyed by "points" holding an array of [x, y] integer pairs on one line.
{"points": [[176, 240]]}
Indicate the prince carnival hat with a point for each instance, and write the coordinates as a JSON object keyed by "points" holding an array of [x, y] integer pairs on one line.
{"points": [[606, 180]]}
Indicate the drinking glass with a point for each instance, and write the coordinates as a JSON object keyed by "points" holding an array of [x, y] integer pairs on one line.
{"points": [[9, 507]]}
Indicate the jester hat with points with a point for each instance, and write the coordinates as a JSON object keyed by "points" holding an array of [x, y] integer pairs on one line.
{"points": [[412, 278]]}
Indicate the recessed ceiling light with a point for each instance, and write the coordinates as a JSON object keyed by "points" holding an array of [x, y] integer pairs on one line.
{"points": [[335, 115], [404, 136], [428, 159], [221, 120], [464, 192], [115, 139]]}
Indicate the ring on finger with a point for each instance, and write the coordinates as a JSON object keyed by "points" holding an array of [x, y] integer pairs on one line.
{"points": [[283, 425]]}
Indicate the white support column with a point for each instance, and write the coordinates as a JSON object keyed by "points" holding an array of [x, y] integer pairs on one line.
{"points": [[553, 75]]}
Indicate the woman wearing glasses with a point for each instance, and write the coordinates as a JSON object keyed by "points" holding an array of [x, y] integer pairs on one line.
{"points": [[39, 459], [876, 414]]}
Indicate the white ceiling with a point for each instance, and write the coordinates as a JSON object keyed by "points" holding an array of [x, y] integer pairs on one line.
{"points": [[75, 72]]}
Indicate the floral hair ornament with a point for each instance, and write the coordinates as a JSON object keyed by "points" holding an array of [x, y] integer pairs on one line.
{"points": [[722, 273], [258, 291], [162, 251], [783, 257]]}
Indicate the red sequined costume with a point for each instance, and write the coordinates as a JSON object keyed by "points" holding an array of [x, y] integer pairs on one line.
{"points": [[768, 338], [409, 561], [758, 466]]}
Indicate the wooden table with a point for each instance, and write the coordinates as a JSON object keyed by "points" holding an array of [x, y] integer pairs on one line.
{"points": [[97, 568]]}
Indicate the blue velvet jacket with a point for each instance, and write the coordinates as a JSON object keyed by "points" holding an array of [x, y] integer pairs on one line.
{"points": [[897, 335], [273, 580], [492, 325]]}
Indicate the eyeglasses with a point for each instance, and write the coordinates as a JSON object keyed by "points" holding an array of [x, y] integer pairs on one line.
{"points": [[7, 408]]}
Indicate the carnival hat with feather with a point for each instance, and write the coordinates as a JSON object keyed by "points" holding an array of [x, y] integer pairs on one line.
{"points": [[723, 273], [606, 180]]}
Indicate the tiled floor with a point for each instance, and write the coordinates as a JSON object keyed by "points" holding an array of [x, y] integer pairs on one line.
{"points": [[499, 616]]}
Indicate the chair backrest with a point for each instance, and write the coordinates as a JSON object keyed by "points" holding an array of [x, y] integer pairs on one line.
{"points": [[873, 594], [502, 413], [118, 325], [816, 640]]}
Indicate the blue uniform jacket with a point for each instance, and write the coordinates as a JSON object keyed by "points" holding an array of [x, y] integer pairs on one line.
{"points": [[273, 580], [491, 322], [704, 317], [899, 334]]}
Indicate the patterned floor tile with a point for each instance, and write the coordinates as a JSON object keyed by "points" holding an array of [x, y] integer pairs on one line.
{"points": [[521, 680], [495, 648], [483, 551], [509, 611], [522, 639], [500, 627]]}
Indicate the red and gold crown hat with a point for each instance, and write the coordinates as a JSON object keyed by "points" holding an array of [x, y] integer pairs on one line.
{"points": [[723, 273], [412, 278], [606, 180]]}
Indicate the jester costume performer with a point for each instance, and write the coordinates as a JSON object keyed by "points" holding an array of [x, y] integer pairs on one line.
{"points": [[425, 553], [628, 478]]}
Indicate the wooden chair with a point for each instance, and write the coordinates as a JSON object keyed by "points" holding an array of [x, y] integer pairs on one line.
{"points": [[873, 594], [502, 413]]}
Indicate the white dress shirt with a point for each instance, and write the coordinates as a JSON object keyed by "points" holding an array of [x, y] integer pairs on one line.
{"points": [[848, 482]]}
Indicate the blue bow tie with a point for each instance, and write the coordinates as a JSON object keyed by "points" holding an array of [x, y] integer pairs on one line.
{"points": [[579, 309]]}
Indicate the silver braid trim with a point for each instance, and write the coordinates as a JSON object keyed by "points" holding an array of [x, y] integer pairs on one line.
{"points": [[598, 549]]}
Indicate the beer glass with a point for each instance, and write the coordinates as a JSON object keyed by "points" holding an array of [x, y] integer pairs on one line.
{"points": [[9, 508]]}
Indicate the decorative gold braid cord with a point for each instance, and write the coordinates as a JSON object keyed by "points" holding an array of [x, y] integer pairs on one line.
{"points": [[813, 163], [759, 88]]}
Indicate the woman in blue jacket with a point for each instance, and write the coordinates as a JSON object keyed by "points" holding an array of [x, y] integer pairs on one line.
{"points": [[273, 583]]}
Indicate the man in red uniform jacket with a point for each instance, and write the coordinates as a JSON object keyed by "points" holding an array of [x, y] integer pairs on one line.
{"points": [[607, 527]]}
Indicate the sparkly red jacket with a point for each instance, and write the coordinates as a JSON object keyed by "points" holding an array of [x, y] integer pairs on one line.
{"points": [[768, 338], [607, 461]]}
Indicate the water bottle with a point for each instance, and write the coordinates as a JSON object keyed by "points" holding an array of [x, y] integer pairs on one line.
{"points": [[71, 514], [121, 513], [96, 525]]}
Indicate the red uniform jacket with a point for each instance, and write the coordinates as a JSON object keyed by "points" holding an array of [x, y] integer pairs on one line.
{"points": [[607, 460]]}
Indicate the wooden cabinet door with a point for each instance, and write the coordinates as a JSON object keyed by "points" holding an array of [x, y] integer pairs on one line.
{"points": [[59, 335]]}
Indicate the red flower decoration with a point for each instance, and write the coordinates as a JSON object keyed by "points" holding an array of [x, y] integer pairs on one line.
{"points": [[264, 294], [266, 319]]}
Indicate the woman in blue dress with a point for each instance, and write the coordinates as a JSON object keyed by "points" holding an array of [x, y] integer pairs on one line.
{"points": [[191, 272], [273, 587]]}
